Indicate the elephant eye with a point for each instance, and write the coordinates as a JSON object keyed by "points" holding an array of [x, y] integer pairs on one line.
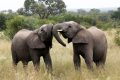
{"points": [[42, 30], [69, 26]]}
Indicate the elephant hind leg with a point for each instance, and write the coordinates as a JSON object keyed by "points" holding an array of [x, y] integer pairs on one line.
{"points": [[25, 64], [100, 64], [14, 59], [15, 65]]}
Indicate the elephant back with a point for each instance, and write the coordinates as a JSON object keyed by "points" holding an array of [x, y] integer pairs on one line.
{"points": [[19, 40], [22, 34], [98, 35], [100, 40], [33, 41], [83, 36]]}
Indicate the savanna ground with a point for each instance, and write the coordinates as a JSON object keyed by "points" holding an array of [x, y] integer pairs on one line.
{"points": [[63, 68]]}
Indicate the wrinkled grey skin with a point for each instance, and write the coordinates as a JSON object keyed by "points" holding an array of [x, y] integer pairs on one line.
{"points": [[31, 45], [90, 43]]}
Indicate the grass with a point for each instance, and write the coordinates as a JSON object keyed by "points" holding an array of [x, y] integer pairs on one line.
{"points": [[63, 68]]}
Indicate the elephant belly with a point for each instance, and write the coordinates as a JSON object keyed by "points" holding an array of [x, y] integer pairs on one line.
{"points": [[23, 56], [22, 53], [80, 49]]}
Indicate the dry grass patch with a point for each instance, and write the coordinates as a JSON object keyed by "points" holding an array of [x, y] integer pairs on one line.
{"points": [[63, 68]]}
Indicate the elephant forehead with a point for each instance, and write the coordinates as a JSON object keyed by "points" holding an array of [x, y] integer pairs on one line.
{"points": [[43, 26], [46, 26], [72, 22]]}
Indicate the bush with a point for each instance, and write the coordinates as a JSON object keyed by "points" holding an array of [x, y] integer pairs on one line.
{"points": [[104, 25], [117, 37], [45, 21], [19, 22], [72, 17], [3, 18], [22, 22]]}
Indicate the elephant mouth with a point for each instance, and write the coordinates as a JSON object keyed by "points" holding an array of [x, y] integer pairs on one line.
{"points": [[64, 34]]}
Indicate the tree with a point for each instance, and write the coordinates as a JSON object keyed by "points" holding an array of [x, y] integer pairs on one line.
{"points": [[116, 14], [81, 12], [47, 8], [28, 5], [3, 18], [94, 13], [44, 8], [21, 11], [54, 6], [40, 9]]}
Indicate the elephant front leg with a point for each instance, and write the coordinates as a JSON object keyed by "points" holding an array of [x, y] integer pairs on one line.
{"points": [[36, 63], [48, 62], [77, 61], [35, 58]]}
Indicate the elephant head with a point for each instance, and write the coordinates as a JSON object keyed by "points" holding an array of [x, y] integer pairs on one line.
{"points": [[68, 30], [42, 37], [45, 32]]}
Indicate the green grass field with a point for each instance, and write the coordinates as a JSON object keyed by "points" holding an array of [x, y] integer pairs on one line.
{"points": [[63, 68]]}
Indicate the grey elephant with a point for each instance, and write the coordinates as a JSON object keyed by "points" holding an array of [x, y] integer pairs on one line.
{"points": [[31, 45], [90, 43]]}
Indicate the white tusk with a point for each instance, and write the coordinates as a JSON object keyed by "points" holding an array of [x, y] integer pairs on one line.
{"points": [[60, 30]]}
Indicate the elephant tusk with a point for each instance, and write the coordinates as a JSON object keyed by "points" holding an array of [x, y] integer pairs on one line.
{"points": [[60, 30]]}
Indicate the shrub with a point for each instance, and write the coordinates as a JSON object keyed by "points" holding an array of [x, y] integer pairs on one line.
{"points": [[3, 18], [19, 22], [22, 22], [44, 21], [117, 37], [104, 25], [71, 17]]}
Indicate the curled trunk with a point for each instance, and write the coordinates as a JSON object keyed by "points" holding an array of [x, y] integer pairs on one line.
{"points": [[57, 28]]}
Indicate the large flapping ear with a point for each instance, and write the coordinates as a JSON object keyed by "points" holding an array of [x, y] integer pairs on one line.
{"points": [[34, 41], [48, 42], [81, 37]]}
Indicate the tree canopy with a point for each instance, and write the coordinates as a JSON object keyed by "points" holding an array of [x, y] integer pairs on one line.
{"points": [[44, 8]]}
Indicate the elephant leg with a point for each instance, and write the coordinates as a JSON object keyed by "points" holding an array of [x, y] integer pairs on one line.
{"points": [[25, 65], [36, 63], [15, 65], [48, 62], [77, 61], [34, 53], [15, 60], [89, 62], [89, 58], [100, 63]]}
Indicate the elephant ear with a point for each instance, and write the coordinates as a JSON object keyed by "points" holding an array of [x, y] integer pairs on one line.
{"points": [[34, 41], [81, 37]]}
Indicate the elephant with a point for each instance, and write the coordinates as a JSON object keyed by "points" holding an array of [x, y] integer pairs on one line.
{"points": [[89, 43], [30, 45]]}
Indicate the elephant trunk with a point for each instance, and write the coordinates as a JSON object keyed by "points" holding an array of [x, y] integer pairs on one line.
{"points": [[58, 28]]}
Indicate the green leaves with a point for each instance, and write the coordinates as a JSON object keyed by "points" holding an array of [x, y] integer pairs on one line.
{"points": [[21, 22], [17, 23], [44, 8], [117, 37], [116, 14]]}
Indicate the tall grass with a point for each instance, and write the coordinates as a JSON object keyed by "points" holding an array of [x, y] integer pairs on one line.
{"points": [[63, 68]]}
